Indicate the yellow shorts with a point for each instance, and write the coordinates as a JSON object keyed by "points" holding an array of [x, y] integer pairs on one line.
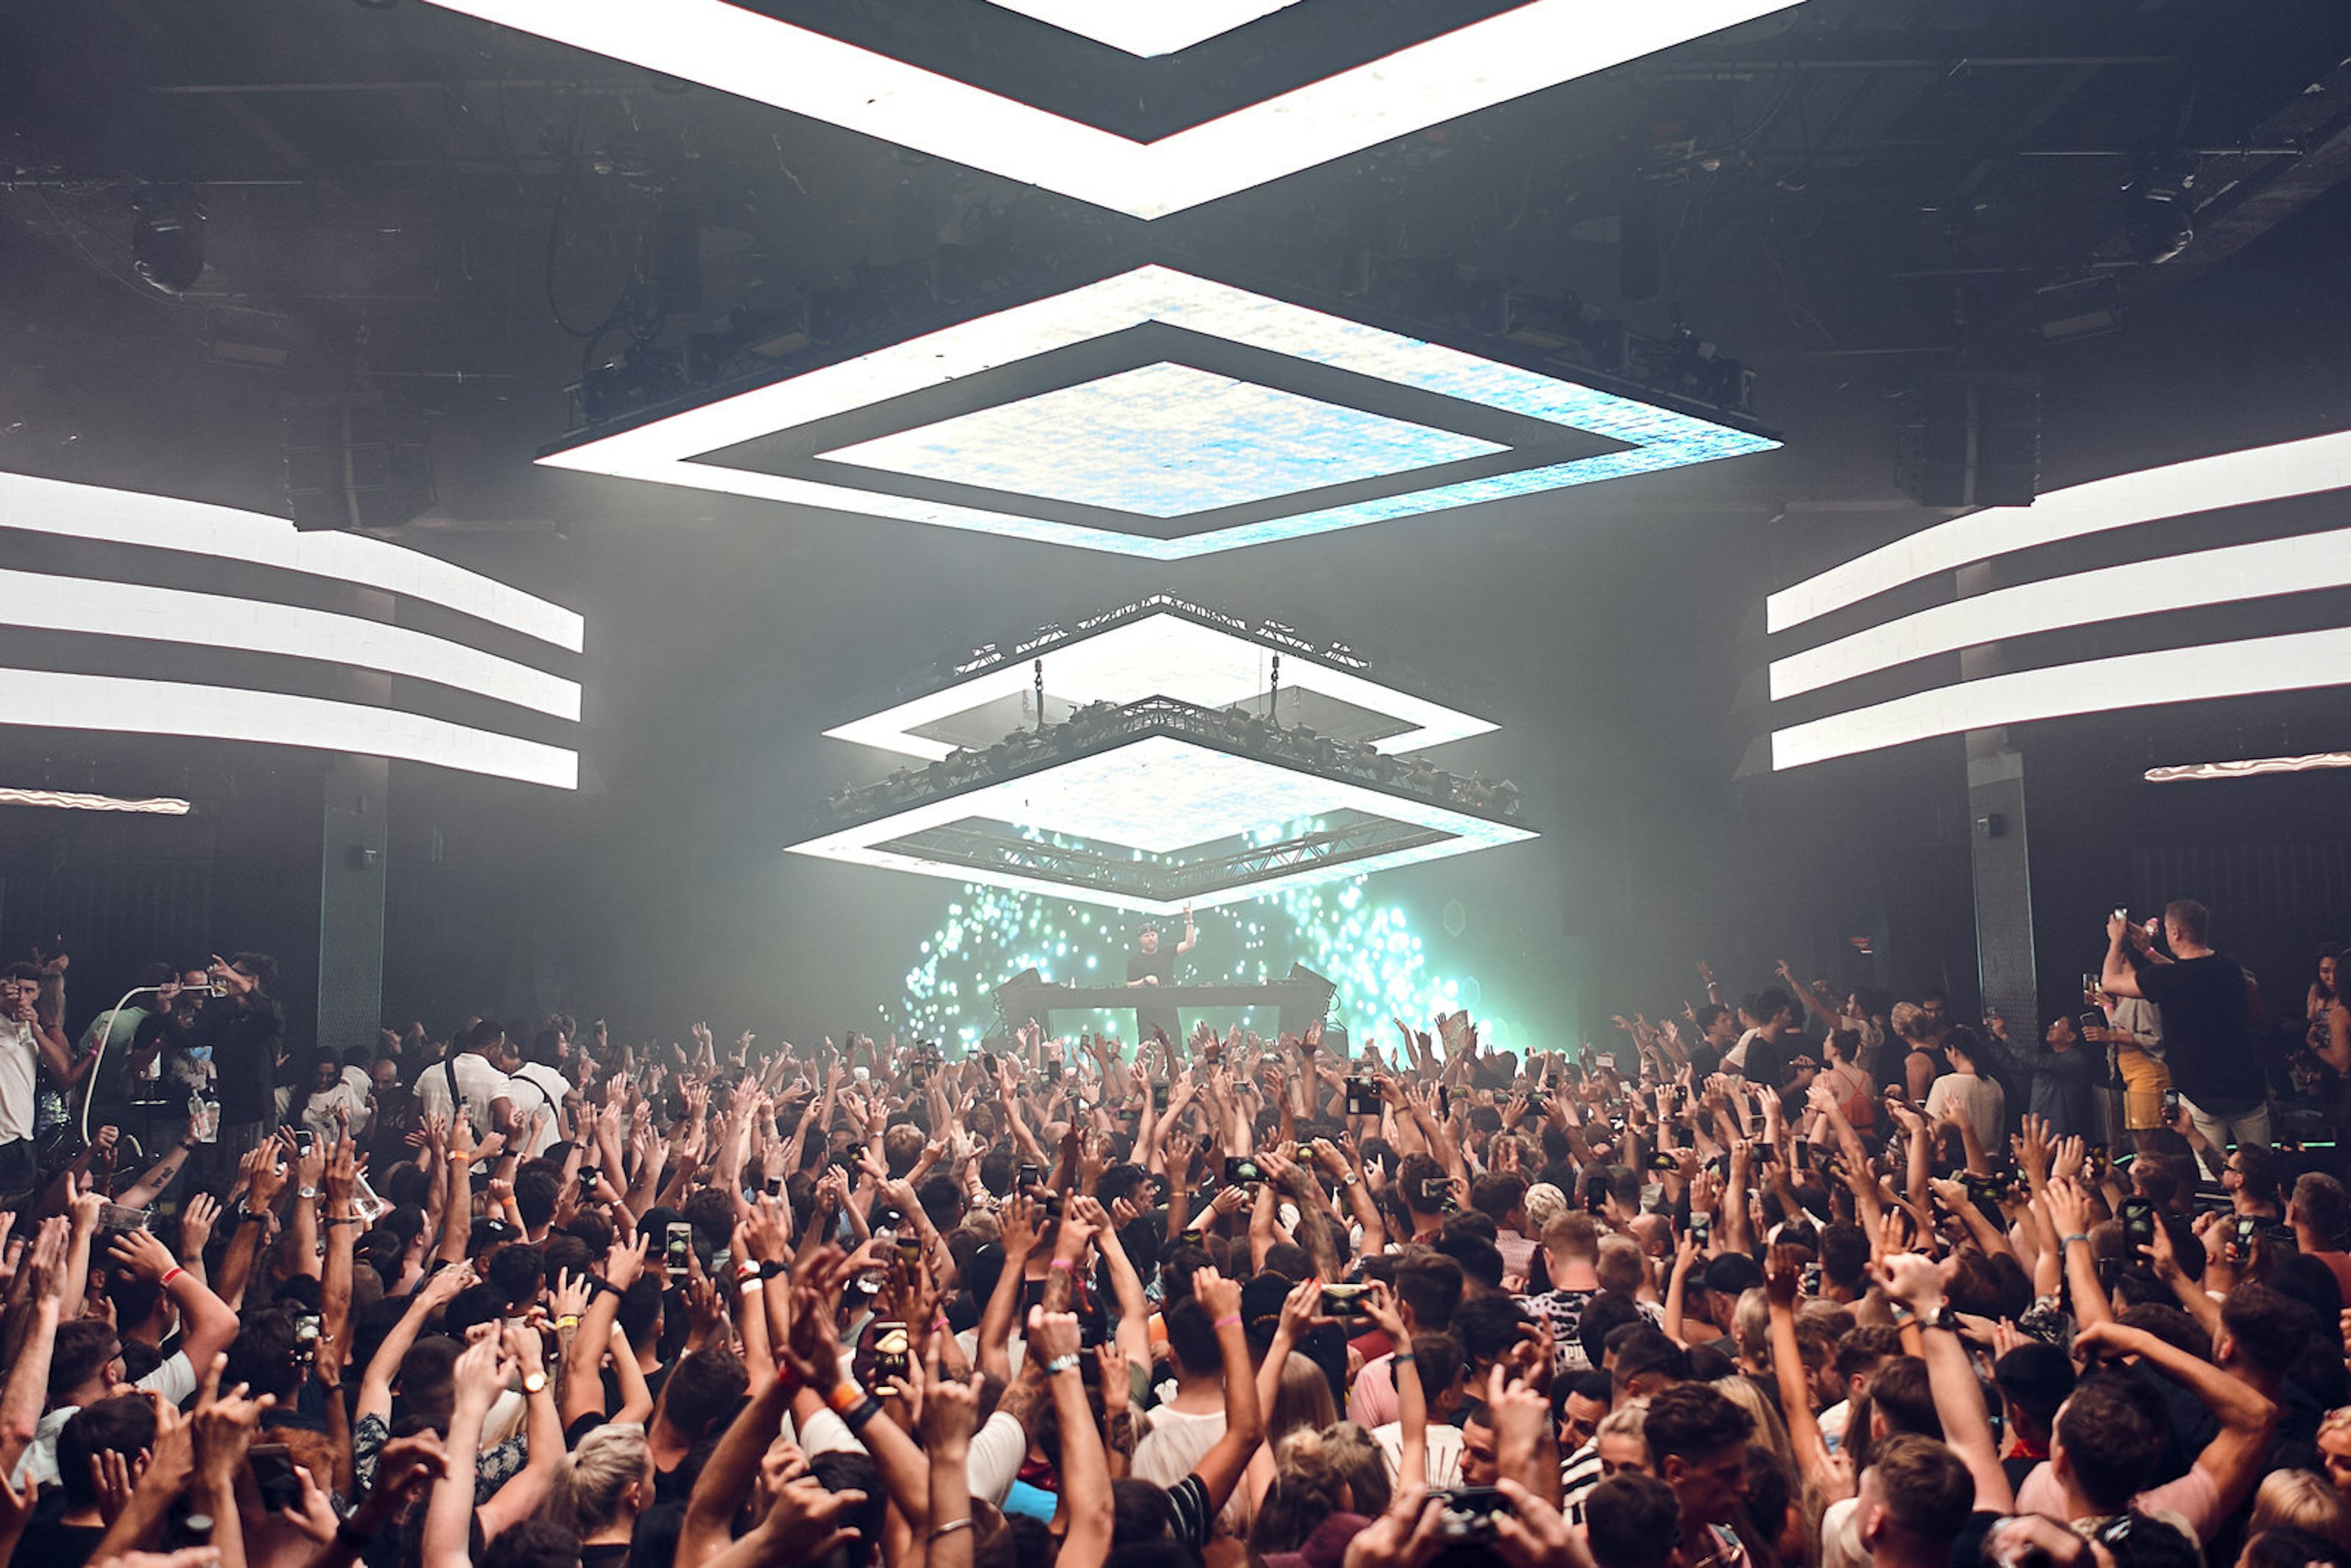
{"points": [[2143, 1082]]}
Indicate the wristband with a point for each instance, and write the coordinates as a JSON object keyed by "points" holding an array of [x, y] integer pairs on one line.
{"points": [[1060, 1364], [2065, 1241], [567, 1321], [857, 1420], [169, 1274], [844, 1397], [1403, 1358], [951, 1526], [459, 1157], [1229, 1321], [748, 1283], [1062, 1263]]}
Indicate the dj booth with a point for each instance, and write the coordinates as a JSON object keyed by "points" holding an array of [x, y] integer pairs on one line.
{"points": [[1300, 998]]}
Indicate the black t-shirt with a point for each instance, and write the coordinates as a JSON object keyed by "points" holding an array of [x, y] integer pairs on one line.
{"points": [[52, 1543], [244, 1041], [1161, 963], [2207, 1028], [1766, 1061]]}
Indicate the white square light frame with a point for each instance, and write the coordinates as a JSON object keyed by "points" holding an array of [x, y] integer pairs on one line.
{"points": [[1160, 653], [661, 450], [1534, 46], [862, 842]]}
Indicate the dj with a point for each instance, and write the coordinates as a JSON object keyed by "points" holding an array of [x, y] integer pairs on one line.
{"points": [[1153, 964]]}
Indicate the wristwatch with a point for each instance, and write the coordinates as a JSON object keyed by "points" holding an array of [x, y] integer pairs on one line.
{"points": [[534, 1381], [308, 1194]]}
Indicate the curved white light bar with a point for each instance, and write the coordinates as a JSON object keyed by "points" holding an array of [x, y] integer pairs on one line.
{"points": [[1158, 655], [2177, 490], [2223, 576], [2296, 662], [1146, 28], [49, 699], [76, 800], [727, 47], [2247, 767], [161, 522], [50, 604]]}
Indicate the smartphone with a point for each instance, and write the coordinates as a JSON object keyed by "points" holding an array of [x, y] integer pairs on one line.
{"points": [[890, 1358], [306, 1338], [1345, 1301], [1031, 1175], [1159, 1096], [1362, 1099], [1595, 1199], [1701, 1231], [1052, 1071], [677, 1247], [910, 1249], [273, 1476], [1767, 1153], [1469, 1512], [2095, 1162], [1238, 1172], [2085, 1022], [2122, 913], [2170, 1107], [775, 1186], [1444, 1102], [304, 1141], [1801, 1154], [2248, 1229], [1981, 1188], [116, 1216], [2139, 1222]]}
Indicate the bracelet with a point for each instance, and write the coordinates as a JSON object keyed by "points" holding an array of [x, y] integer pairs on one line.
{"points": [[1062, 1263], [1229, 1321], [1062, 1364], [861, 1417], [2065, 1241], [951, 1526], [1403, 1358], [749, 1283], [169, 1274], [844, 1397], [459, 1157], [940, 1323], [567, 1321]]}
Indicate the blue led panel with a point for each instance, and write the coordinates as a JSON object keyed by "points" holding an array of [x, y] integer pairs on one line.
{"points": [[1163, 440]]}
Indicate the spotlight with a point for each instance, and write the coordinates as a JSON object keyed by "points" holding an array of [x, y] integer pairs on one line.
{"points": [[167, 240]]}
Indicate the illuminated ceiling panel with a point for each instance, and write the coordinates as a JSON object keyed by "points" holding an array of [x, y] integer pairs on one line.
{"points": [[1163, 439], [1493, 60], [1163, 788], [1147, 27], [1158, 655], [1548, 433], [79, 800], [2248, 768]]}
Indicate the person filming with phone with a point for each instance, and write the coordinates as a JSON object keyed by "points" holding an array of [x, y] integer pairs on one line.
{"points": [[2207, 1022]]}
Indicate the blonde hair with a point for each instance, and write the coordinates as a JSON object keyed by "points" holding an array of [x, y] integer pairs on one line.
{"points": [[1544, 1203], [1347, 1451], [1302, 1400], [588, 1492], [2301, 1499], [1771, 1432]]}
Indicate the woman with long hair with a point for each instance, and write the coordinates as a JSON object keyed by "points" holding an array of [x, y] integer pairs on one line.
{"points": [[600, 1488]]}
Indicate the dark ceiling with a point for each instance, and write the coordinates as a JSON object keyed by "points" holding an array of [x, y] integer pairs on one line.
{"points": [[1844, 196]]}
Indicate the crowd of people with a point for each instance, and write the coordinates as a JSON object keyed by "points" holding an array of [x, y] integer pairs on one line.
{"points": [[1791, 1281]]}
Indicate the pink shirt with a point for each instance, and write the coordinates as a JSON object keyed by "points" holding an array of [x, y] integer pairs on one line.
{"points": [[2192, 1501], [1373, 1401]]}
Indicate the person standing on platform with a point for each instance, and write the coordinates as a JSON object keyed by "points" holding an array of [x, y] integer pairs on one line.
{"points": [[2208, 1024], [1153, 964]]}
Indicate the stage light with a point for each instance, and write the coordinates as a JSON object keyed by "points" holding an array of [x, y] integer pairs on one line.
{"points": [[1147, 27], [2296, 662], [1156, 796], [47, 699], [162, 522], [1133, 443], [42, 602], [1022, 443], [2301, 564], [1160, 653], [2178, 489], [74, 800], [734, 49], [2248, 768]]}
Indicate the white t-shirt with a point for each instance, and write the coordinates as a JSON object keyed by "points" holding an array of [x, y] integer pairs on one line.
{"points": [[1444, 1464], [1174, 1447], [174, 1379], [1978, 1099], [19, 1058], [478, 1083], [536, 1087]]}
